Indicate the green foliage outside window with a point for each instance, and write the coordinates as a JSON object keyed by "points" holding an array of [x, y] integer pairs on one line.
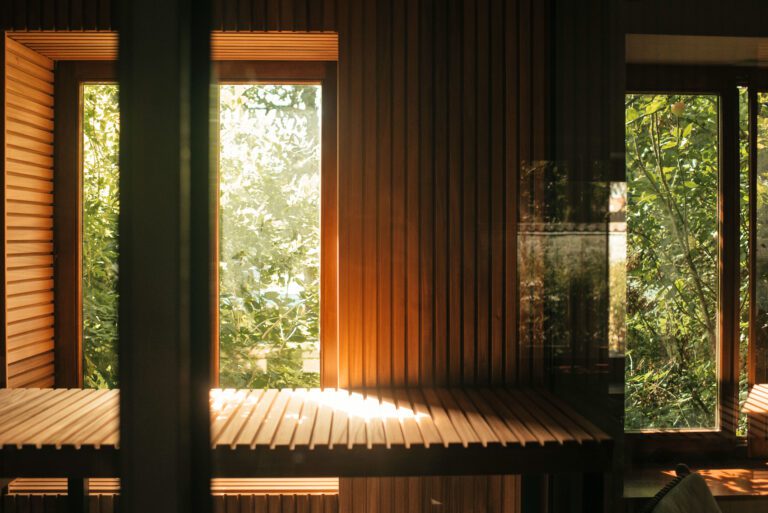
{"points": [[269, 219], [269, 235], [672, 261], [101, 133], [672, 176]]}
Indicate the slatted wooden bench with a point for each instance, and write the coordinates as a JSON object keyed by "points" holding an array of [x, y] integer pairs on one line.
{"points": [[757, 400], [293, 433]]}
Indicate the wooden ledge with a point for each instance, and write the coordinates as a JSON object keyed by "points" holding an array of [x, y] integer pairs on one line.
{"points": [[260, 433], [722, 482], [757, 400], [257, 45]]}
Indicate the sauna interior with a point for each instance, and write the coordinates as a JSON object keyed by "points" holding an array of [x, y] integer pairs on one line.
{"points": [[341, 256]]}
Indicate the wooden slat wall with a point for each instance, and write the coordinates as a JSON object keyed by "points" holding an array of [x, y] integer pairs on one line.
{"points": [[461, 494], [297, 15], [437, 127], [439, 103], [588, 140], [28, 219], [225, 46]]}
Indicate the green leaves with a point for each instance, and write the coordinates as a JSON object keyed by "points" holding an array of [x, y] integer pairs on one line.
{"points": [[101, 134], [269, 235], [672, 175]]}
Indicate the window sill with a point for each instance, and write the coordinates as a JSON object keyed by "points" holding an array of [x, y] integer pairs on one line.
{"points": [[738, 480], [672, 447]]}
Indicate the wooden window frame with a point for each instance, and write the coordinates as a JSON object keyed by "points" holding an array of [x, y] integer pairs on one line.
{"points": [[705, 444], [68, 187], [324, 74], [67, 213]]}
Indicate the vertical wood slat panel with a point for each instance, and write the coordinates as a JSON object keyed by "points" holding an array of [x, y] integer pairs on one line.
{"points": [[228, 503], [452, 494], [299, 15], [245, 15], [482, 246], [28, 329], [511, 175], [458, 99], [384, 192], [426, 86], [370, 192], [60, 15], [412, 148], [468, 342], [440, 103], [398, 197], [440, 192], [496, 193], [454, 189], [522, 48], [344, 206], [3, 250]]}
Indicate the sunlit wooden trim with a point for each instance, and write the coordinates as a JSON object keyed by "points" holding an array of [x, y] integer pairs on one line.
{"points": [[219, 486], [249, 46]]}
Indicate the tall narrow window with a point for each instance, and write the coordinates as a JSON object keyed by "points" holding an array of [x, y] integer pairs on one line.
{"points": [[100, 207], [269, 235], [268, 227], [672, 261]]}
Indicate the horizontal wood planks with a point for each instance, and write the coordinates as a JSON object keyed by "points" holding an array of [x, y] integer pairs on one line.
{"points": [[225, 46], [274, 46], [244, 486], [757, 400], [28, 218]]}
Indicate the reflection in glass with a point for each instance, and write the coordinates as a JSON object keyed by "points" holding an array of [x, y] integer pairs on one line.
{"points": [[562, 272], [672, 261], [269, 239]]}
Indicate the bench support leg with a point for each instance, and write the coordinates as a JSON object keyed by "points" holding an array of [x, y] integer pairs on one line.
{"points": [[77, 494]]}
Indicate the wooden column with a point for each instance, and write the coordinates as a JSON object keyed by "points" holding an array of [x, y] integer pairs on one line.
{"points": [[165, 257]]}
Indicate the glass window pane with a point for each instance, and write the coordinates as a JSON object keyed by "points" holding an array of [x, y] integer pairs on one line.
{"points": [[101, 134], [744, 276], [761, 233], [269, 238], [672, 261]]}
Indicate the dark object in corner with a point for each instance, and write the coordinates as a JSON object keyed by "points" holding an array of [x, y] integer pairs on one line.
{"points": [[688, 492]]}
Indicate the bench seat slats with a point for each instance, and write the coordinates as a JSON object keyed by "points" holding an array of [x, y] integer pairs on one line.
{"points": [[310, 419]]}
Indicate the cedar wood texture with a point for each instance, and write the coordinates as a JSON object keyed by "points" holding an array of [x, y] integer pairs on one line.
{"points": [[439, 103], [435, 128], [225, 503], [28, 205]]}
